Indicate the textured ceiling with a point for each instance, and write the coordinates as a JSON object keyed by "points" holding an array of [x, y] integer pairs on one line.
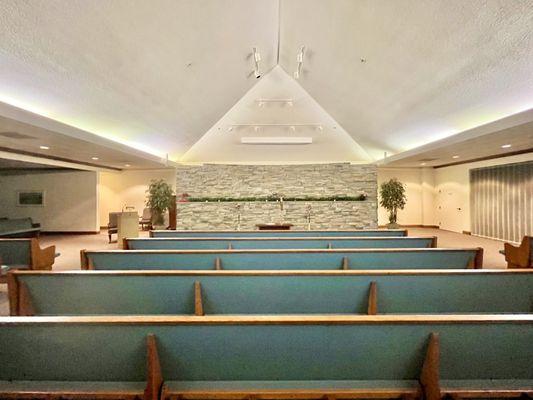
{"points": [[158, 75], [431, 68], [153, 74]]}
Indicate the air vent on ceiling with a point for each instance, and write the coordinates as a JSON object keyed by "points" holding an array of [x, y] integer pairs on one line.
{"points": [[15, 135]]}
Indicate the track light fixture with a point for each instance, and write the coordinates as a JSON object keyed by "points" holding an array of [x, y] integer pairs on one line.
{"points": [[257, 58], [299, 62]]}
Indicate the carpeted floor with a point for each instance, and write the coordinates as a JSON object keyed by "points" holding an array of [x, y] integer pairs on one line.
{"points": [[70, 245]]}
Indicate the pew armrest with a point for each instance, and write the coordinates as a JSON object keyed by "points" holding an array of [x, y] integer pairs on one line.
{"points": [[518, 256], [42, 259]]}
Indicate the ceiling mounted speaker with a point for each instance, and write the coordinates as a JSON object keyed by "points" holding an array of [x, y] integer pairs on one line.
{"points": [[276, 140]]}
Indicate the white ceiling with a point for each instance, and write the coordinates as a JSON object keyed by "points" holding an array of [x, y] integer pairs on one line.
{"points": [[158, 75]]}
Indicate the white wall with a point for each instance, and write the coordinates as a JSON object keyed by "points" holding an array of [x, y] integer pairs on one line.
{"points": [[71, 201], [452, 186], [128, 188], [419, 209]]}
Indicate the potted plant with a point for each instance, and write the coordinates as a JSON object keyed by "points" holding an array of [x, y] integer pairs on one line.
{"points": [[159, 199], [393, 198]]}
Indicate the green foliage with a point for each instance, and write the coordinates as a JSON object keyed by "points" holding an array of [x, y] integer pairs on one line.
{"points": [[360, 197], [159, 199], [393, 197]]}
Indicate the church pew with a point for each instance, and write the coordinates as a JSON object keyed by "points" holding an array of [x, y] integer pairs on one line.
{"points": [[279, 233], [432, 258], [25, 254], [274, 357], [519, 256], [270, 292], [278, 243]]}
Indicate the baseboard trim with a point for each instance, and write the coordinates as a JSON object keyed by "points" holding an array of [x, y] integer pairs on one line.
{"points": [[70, 232], [413, 226]]}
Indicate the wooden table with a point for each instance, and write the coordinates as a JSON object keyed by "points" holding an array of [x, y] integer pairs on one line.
{"points": [[274, 227]]}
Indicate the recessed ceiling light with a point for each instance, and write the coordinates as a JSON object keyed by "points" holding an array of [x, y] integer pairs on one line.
{"points": [[455, 156], [44, 147], [94, 158], [506, 146], [423, 163], [127, 165]]}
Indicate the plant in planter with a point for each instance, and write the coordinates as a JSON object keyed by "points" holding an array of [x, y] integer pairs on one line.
{"points": [[159, 199], [393, 198]]}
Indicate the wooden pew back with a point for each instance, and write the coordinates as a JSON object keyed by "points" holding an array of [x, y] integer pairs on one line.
{"points": [[283, 259], [253, 352], [270, 292], [278, 233], [278, 243]]}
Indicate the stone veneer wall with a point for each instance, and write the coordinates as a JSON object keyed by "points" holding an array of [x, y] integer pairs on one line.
{"points": [[215, 180]]}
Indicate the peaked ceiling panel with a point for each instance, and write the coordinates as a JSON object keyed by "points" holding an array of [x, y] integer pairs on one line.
{"points": [[152, 74], [276, 108], [399, 74]]}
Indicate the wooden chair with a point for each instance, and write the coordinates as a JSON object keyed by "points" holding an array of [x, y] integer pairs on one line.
{"points": [[146, 219], [521, 256], [112, 225]]}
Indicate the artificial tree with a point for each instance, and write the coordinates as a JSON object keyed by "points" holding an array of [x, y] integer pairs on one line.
{"points": [[393, 198], [159, 199]]}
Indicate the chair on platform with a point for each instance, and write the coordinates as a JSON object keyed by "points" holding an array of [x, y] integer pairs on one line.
{"points": [[112, 225], [146, 219]]}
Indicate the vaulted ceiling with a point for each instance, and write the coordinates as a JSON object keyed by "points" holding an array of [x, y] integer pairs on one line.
{"points": [[159, 75]]}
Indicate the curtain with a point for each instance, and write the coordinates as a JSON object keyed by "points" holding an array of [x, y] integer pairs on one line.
{"points": [[501, 201]]}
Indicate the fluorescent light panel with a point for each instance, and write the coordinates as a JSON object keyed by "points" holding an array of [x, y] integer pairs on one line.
{"points": [[276, 140]]}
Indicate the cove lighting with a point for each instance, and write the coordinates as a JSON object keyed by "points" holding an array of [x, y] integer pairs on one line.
{"points": [[44, 147], [506, 146]]}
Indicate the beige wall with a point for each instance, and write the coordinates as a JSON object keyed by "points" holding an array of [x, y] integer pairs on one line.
{"points": [[128, 188], [71, 201], [419, 185], [452, 186]]}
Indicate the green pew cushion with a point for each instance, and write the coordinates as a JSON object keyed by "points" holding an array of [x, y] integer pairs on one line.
{"points": [[190, 387], [132, 389], [482, 385]]}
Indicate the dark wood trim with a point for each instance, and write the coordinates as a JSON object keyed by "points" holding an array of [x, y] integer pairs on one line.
{"points": [[13, 293], [467, 233], [198, 303], [511, 153], [372, 308], [49, 157], [429, 376], [154, 376]]}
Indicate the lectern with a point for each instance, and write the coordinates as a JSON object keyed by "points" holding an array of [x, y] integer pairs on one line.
{"points": [[128, 226]]}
